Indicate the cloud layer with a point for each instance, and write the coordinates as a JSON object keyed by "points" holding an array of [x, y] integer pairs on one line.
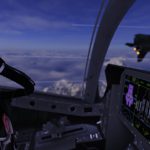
{"points": [[65, 87], [61, 71]]}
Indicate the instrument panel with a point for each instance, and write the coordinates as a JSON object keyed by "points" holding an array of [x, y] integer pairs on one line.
{"points": [[135, 101]]}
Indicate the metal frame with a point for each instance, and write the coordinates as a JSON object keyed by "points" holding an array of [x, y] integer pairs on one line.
{"points": [[113, 14]]}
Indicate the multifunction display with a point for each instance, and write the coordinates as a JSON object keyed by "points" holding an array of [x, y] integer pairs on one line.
{"points": [[136, 104]]}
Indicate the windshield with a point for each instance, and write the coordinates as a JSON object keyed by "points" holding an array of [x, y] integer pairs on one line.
{"points": [[136, 21], [47, 40]]}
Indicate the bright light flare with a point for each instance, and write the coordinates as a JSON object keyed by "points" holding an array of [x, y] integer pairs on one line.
{"points": [[134, 48], [138, 53]]}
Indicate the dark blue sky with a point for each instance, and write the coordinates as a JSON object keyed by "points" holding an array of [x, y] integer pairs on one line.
{"points": [[55, 24]]}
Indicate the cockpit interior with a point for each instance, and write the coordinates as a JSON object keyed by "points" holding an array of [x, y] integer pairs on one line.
{"points": [[117, 119]]}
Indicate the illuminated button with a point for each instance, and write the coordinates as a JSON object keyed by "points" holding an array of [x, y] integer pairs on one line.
{"points": [[94, 136]]}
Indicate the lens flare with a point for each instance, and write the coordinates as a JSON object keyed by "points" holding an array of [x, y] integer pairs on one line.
{"points": [[138, 53], [134, 49]]}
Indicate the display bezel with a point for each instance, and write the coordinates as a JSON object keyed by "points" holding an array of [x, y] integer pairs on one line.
{"points": [[141, 75]]}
